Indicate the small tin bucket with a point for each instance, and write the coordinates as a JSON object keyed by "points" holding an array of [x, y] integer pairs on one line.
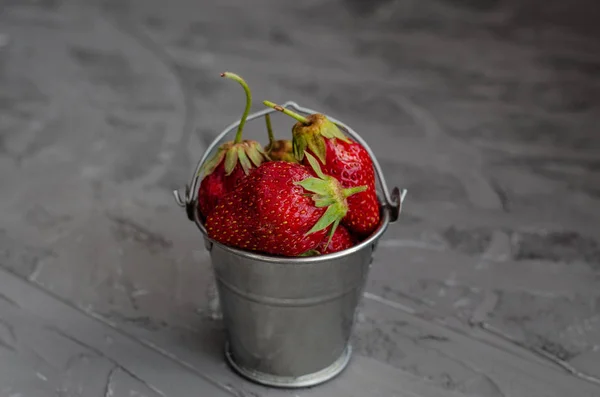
{"points": [[288, 321]]}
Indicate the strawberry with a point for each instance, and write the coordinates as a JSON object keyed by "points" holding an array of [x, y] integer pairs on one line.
{"points": [[232, 162], [341, 240], [281, 208], [278, 150], [343, 158]]}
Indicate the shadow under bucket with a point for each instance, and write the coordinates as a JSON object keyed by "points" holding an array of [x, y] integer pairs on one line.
{"points": [[289, 320]]}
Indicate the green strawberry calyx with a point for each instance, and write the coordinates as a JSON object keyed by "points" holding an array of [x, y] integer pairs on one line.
{"points": [[247, 153], [327, 192], [310, 132], [311, 253], [278, 149]]}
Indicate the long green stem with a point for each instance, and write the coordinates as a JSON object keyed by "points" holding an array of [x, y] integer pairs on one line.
{"points": [[270, 130], [235, 77], [281, 109]]}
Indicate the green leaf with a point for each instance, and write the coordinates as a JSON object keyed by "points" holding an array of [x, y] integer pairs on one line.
{"points": [[209, 166], [310, 253], [331, 233], [316, 143], [244, 160], [254, 154], [334, 213], [323, 201], [263, 153], [315, 185], [315, 165], [231, 159], [353, 190], [330, 130], [299, 147]]}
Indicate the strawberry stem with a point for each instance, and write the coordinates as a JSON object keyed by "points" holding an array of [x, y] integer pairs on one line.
{"points": [[270, 130], [283, 110], [235, 77]]}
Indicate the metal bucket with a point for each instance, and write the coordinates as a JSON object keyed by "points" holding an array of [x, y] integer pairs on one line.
{"points": [[289, 320]]}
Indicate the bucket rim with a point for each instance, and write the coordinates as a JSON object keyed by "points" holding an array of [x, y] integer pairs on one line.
{"points": [[290, 261]]}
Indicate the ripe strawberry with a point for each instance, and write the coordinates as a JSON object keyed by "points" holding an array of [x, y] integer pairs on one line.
{"points": [[280, 209], [232, 162], [343, 158], [341, 240], [278, 150]]}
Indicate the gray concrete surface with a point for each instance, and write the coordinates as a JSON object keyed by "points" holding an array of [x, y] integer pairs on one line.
{"points": [[486, 111]]}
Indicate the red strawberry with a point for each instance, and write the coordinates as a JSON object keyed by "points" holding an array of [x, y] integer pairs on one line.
{"points": [[232, 162], [280, 209], [341, 240], [342, 158]]}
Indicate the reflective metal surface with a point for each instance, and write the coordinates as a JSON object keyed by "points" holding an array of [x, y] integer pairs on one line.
{"points": [[289, 320]]}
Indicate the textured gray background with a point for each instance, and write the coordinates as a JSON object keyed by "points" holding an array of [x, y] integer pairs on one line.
{"points": [[487, 111]]}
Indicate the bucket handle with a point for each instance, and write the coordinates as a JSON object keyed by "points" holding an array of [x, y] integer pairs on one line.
{"points": [[393, 201]]}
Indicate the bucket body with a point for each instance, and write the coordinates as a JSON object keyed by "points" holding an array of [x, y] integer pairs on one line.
{"points": [[288, 321]]}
